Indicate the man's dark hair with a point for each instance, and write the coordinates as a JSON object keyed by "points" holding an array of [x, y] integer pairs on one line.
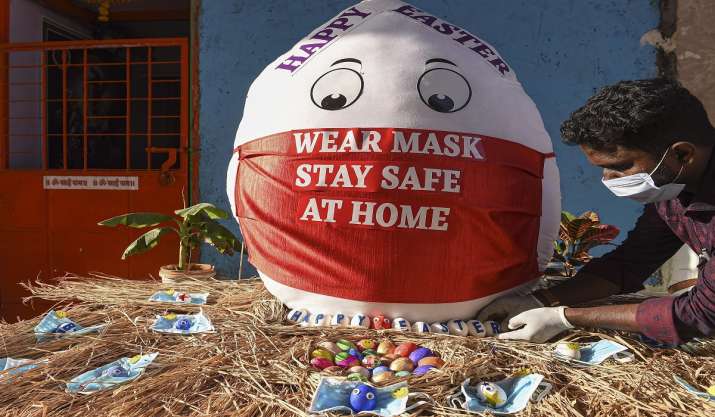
{"points": [[644, 114]]}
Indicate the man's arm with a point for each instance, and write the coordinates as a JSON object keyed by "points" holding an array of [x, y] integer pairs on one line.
{"points": [[616, 317], [623, 270]]}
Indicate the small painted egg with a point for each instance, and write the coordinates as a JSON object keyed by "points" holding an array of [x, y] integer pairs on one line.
{"points": [[359, 370], [320, 320], [401, 324], [421, 327], [387, 359], [402, 364], [339, 320], [493, 328], [366, 344], [334, 370], [345, 345], [440, 327], [115, 371], [296, 316], [330, 347], [568, 350], [404, 349], [431, 361], [402, 374], [321, 363], [380, 369], [67, 327], [385, 347], [360, 320], [363, 398], [458, 327], [381, 322], [476, 328], [421, 370], [371, 361], [357, 378], [492, 394], [382, 377], [348, 362], [323, 353], [184, 324], [419, 353], [356, 353]]}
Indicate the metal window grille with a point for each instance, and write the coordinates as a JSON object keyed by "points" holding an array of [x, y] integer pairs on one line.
{"points": [[93, 105]]}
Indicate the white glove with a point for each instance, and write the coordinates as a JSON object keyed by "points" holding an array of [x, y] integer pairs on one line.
{"points": [[504, 308], [539, 325]]}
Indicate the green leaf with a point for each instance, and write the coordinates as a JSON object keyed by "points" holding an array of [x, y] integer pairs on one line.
{"points": [[146, 241], [566, 216], [211, 211], [220, 237], [136, 220]]}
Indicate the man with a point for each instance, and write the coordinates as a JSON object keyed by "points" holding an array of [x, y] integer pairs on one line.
{"points": [[655, 144]]}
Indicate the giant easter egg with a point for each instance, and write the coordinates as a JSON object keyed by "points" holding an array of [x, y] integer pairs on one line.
{"points": [[391, 163]]}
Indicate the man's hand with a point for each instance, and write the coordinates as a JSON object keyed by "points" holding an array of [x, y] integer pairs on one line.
{"points": [[537, 325], [504, 308]]}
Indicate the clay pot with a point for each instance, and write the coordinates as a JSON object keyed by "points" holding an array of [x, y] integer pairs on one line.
{"points": [[171, 274]]}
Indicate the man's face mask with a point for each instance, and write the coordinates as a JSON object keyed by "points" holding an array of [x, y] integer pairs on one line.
{"points": [[641, 187]]}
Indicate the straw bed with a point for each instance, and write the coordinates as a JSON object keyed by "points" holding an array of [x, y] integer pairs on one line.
{"points": [[256, 362]]}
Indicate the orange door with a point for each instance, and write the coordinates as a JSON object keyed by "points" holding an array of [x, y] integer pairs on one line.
{"points": [[88, 130]]}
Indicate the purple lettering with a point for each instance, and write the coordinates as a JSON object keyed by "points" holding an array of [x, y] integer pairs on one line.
{"points": [[483, 50], [340, 24], [355, 12], [292, 63], [406, 10], [446, 28], [426, 19], [465, 38], [324, 35], [500, 65], [311, 48]]}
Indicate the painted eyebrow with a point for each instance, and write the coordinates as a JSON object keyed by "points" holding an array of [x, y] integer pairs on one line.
{"points": [[340, 61], [444, 61]]}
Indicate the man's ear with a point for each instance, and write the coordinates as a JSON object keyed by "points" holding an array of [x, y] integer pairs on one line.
{"points": [[684, 151]]}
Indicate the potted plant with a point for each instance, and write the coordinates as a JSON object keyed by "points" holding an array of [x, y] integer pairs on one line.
{"points": [[193, 225], [577, 236]]}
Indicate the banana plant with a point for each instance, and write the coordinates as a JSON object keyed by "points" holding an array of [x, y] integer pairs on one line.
{"points": [[194, 225], [577, 236]]}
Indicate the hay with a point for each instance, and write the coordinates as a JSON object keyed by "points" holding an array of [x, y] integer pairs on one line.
{"points": [[255, 364]]}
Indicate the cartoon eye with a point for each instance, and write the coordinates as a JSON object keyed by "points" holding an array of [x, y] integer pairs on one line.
{"points": [[444, 90], [488, 388], [337, 89], [356, 391], [369, 396]]}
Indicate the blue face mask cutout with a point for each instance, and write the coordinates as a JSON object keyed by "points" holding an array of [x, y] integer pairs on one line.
{"points": [[57, 324], [183, 324], [691, 389], [10, 367], [110, 375], [179, 297], [334, 395], [595, 353], [519, 391]]}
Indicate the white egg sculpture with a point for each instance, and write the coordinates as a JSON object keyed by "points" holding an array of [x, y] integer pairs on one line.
{"points": [[391, 161]]}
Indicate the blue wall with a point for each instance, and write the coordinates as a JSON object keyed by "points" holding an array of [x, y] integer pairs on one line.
{"points": [[562, 51]]}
